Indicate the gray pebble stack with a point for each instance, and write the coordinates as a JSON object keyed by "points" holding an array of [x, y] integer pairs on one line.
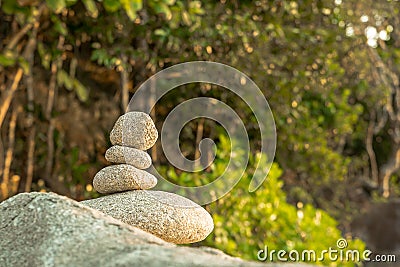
{"points": [[169, 216], [133, 133]]}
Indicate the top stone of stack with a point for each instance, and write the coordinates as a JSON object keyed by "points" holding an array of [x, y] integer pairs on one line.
{"points": [[134, 129]]}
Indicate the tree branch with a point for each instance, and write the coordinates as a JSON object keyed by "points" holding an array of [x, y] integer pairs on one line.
{"points": [[17, 37], [30, 160], [8, 95], [199, 137], [370, 149], [124, 84], [29, 56], [9, 153], [55, 66]]}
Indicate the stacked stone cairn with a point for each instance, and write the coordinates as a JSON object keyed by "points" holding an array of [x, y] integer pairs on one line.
{"points": [[169, 216]]}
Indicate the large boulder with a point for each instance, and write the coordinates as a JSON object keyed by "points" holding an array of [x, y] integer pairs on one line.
{"points": [[45, 229]]}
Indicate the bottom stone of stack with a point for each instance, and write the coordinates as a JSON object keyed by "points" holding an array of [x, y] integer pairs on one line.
{"points": [[169, 216]]}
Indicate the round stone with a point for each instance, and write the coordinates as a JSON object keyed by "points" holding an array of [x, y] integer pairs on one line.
{"points": [[122, 177], [129, 155], [134, 129], [169, 216]]}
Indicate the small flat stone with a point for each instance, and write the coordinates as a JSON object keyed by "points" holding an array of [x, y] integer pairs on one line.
{"points": [[169, 216], [129, 155], [122, 177], [134, 129]]}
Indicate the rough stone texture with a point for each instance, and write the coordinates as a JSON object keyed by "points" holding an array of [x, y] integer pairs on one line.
{"points": [[169, 216], [132, 156], [45, 229], [134, 129], [122, 177]]}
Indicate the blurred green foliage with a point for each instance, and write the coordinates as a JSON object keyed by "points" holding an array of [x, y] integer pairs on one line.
{"points": [[247, 222]]}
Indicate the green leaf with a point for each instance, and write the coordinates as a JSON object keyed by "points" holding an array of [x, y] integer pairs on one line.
{"points": [[131, 7], [56, 5], [91, 8], [112, 5], [160, 32], [81, 91], [60, 27], [6, 60], [63, 79], [100, 55], [162, 8], [195, 8], [70, 2], [9, 6], [175, 21], [186, 18], [24, 65], [45, 56]]}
